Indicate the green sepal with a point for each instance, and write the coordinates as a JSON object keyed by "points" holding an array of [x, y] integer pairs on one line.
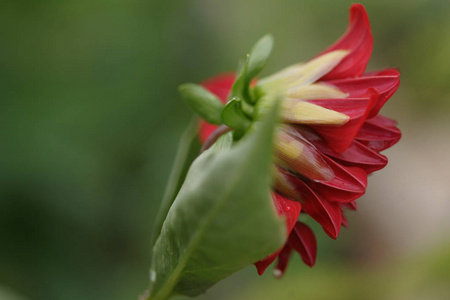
{"points": [[240, 88], [234, 117], [259, 55], [203, 102], [222, 220], [253, 65]]}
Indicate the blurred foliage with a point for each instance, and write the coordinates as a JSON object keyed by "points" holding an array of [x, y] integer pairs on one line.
{"points": [[420, 277], [90, 117]]}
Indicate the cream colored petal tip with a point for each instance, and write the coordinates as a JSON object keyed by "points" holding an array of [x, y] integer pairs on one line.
{"points": [[316, 91], [302, 112]]}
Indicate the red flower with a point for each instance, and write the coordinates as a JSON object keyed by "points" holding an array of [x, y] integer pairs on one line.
{"points": [[331, 137]]}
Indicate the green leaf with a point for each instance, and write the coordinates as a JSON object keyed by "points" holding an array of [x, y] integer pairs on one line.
{"points": [[233, 117], [188, 150], [222, 220], [203, 102], [259, 56]]}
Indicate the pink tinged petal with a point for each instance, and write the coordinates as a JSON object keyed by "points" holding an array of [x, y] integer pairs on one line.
{"points": [[379, 133], [283, 260], [385, 82], [300, 156], [358, 40], [303, 241], [339, 138], [326, 213], [290, 210], [348, 184], [356, 155]]}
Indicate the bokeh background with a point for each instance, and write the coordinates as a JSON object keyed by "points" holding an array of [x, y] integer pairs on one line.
{"points": [[90, 121]]}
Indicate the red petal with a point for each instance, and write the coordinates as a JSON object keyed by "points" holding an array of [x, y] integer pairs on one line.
{"points": [[385, 82], [287, 208], [358, 40], [262, 265], [339, 138], [379, 133], [359, 155], [302, 239], [348, 184], [283, 260], [356, 155], [290, 210], [326, 213], [219, 85]]}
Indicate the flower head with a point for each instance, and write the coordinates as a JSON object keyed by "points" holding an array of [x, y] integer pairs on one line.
{"points": [[330, 138]]}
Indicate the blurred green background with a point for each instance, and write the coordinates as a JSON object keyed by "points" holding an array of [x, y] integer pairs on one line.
{"points": [[90, 121]]}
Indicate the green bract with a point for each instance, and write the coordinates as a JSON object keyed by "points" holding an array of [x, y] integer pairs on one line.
{"points": [[209, 232], [259, 56], [254, 64]]}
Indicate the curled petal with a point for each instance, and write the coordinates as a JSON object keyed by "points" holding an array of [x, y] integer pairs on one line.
{"points": [[303, 240], [379, 133], [290, 210], [339, 138], [358, 40], [301, 156], [326, 213], [349, 183], [385, 82], [356, 155]]}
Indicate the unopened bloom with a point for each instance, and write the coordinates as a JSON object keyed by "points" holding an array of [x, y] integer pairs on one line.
{"points": [[331, 137]]}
